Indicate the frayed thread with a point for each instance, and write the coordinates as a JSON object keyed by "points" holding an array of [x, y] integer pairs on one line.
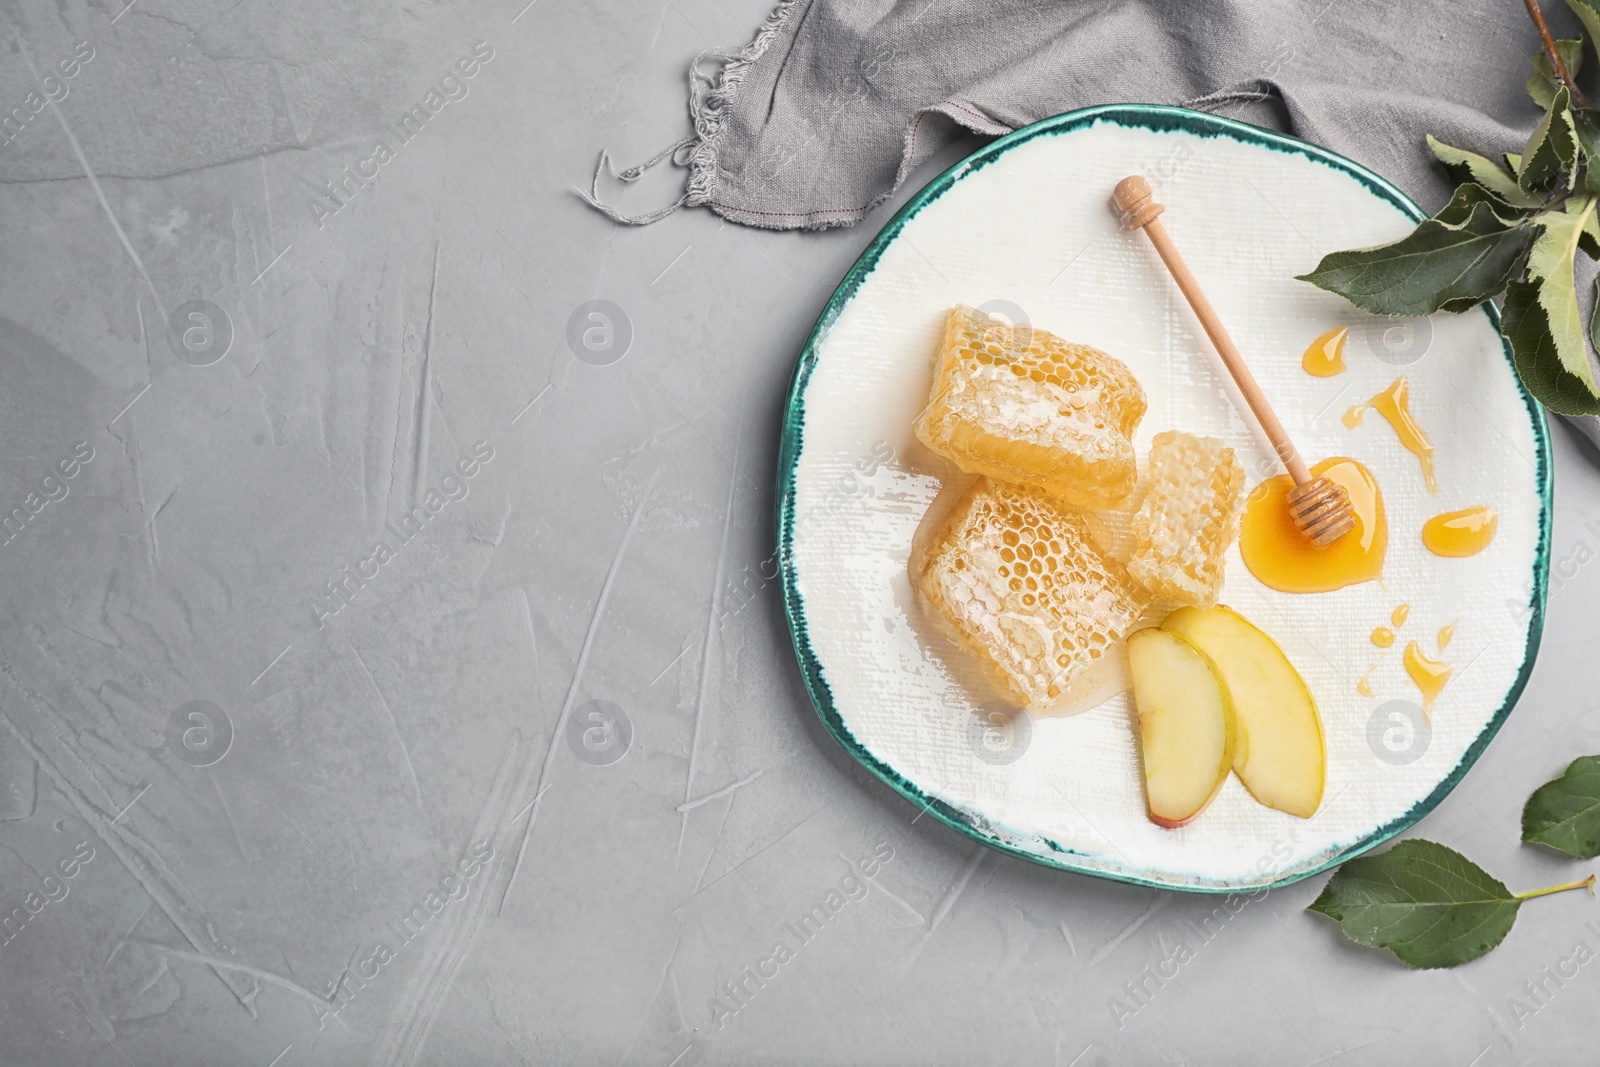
{"points": [[633, 174], [710, 97], [1250, 92]]}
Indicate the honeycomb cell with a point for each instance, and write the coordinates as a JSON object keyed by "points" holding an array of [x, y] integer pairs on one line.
{"points": [[1187, 518], [1031, 636], [1021, 405]]}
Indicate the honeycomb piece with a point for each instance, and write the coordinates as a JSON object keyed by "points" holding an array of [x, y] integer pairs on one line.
{"points": [[1021, 405], [1188, 518], [1111, 529], [1011, 573]]}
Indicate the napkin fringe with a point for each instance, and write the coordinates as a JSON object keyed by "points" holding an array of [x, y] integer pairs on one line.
{"points": [[710, 99], [710, 111]]}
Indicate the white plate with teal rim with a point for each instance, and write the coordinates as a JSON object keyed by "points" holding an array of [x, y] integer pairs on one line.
{"points": [[1025, 226]]}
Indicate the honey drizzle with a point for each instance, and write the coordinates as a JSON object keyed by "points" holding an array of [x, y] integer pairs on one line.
{"points": [[1458, 534], [1394, 404], [1430, 675], [1324, 357]]}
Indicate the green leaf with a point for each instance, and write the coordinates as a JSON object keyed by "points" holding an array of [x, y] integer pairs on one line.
{"points": [[1428, 904], [1594, 317], [1589, 14], [1513, 161], [1524, 323], [1543, 82], [1589, 232], [1550, 264], [1551, 155], [1464, 166], [1586, 121], [1565, 813], [1468, 195], [1436, 266]]}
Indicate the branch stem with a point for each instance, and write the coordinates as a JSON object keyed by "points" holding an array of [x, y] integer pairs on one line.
{"points": [[1586, 883], [1550, 50]]}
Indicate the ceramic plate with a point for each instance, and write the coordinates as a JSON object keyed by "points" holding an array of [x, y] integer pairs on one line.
{"points": [[1024, 227]]}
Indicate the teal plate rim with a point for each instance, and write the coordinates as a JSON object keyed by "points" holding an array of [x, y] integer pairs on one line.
{"points": [[1158, 118]]}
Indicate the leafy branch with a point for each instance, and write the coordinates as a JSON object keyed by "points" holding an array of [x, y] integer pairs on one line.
{"points": [[1513, 226], [1552, 51]]}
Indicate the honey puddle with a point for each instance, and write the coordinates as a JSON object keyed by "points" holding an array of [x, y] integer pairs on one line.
{"points": [[1429, 674], [1325, 356], [1461, 533], [1446, 632], [1383, 637], [1394, 404], [1281, 557], [1364, 687], [1400, 615]]}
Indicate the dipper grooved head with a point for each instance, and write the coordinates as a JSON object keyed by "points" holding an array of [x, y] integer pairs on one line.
{"points": [[1132, 200]]}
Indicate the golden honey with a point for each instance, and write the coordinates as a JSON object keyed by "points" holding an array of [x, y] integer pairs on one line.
{"points": [[1458, 534], [1429, 674], [1394, 404], [1279, 555], [1364, 686], [1325, 356], [1446, 632], [1384, 636]]}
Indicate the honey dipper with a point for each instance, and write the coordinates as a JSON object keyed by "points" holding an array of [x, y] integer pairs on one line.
{"points": [[1319, 506]]}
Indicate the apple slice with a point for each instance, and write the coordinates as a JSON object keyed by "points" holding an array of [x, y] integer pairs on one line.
{"points": [[1185, 725], [1281, 757]]}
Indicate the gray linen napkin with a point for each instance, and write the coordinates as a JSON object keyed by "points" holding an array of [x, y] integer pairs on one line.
{"points": [[825, 113]]}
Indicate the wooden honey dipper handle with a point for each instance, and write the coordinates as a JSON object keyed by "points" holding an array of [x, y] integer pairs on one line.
{"points": [[1321, 508], [1132, 198]]}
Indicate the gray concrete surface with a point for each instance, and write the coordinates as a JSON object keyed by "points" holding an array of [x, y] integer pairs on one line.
{"points": [[389, 826]]}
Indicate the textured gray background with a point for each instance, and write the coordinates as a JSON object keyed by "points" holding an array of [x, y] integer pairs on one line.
{"points": [[616, 548]]}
